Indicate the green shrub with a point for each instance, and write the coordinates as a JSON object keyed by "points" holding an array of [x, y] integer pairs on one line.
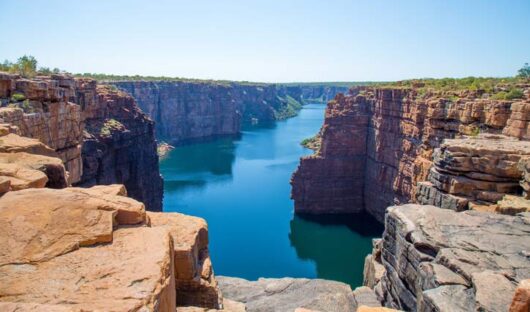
{"points": [[514, 94], [108, 126], [510, 95], [17, 97]]}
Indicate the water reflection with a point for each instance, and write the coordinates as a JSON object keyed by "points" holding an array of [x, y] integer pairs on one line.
{"points": [[192, 167], [337, 244]]}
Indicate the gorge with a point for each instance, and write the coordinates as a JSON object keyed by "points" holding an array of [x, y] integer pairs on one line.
{"points": [[191, 111], [387, 154]]}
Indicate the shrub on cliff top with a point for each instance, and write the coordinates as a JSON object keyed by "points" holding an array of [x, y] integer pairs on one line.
{"points": [[510, 95], [26, 66], [524, 72]]}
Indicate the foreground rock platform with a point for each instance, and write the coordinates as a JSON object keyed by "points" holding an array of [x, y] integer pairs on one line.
{"points": [[441, 260], [93, 249], [288, 294]]}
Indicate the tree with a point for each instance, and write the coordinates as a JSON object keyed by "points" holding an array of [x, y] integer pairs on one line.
{"points": [[26, 66], [524, 72]]}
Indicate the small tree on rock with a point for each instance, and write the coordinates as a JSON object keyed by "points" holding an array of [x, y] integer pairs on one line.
{"points": [[524, 72]]}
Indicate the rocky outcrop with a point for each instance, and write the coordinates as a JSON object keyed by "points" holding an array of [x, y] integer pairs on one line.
{"points": [[378, 143], [95, 249], [441, 260], [99, 133], [195, 281], [187, 111], [476, 173]]}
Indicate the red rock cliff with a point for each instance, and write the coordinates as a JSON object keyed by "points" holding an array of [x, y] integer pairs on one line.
{"points": [[98, 132], [377, 143]]}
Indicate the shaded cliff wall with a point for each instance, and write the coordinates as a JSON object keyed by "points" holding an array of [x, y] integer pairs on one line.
{"points": [[119, 143], [191, 111], [100, 134], [402, 131]]}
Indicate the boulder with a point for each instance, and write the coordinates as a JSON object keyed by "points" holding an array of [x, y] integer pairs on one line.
{"points": [[195, 281], [51, 167]]}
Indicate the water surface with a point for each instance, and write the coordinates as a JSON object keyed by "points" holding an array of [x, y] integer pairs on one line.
{"points": [[241, 187]]}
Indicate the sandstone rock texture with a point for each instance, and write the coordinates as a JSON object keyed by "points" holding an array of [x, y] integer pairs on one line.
{"points": [[93, 249], [99, 133], [441, 260], [189, 111], [119, 144], [195, 281], [480, 172], [378, 143], [288, 294]]}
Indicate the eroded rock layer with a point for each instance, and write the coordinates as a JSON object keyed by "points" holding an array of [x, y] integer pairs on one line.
{"points": [[440, 260], [378, 143], [186, 111], [98, 132]]}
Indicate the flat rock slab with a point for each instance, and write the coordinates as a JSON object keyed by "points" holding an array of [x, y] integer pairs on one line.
{"points": [[39, 224], [288, 294], [133, 273], [441, 260], [12, 143]]}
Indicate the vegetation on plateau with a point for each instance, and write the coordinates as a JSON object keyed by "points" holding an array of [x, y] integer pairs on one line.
{"points": [[26, 66], [507, 88], [290, 109]]}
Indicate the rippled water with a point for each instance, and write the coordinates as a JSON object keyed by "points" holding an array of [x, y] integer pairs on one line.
{"points": [[241, 187]]}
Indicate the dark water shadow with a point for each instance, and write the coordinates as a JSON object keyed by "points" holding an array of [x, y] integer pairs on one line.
{"points": [[337, 244], [215, 157]]}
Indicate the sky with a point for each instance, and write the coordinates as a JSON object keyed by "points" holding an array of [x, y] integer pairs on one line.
{"points": [[271, 41]]}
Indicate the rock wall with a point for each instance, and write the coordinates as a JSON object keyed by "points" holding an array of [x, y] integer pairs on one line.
{"points": [[99, 133], [186, 111], [378, 143], [437, 259], [119, 144]]}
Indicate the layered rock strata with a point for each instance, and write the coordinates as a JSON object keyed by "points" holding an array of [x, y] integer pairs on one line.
{"points": [[377, 144], [440, 260], [476, 172], [187, 111], [99, 133]]}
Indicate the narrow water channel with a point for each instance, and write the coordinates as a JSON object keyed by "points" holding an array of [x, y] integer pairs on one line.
{"points": [[241, 187]]}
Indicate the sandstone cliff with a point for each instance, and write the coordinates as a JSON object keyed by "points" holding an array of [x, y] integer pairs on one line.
{"points": [[378, 143], [186, 111], [87, 249], [433, 259], [99, 133]]}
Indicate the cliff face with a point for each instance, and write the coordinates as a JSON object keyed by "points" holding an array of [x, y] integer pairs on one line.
{"points": [[119, 144], [92, 248], [377, 144], [99, 133], [192, 111], [440, 260]]}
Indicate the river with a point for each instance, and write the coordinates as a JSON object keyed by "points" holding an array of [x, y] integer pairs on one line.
{"points": [[241, 187]]}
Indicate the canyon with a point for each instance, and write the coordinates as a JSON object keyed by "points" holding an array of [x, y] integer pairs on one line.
{"points": [[447, 173], [192, 111]]}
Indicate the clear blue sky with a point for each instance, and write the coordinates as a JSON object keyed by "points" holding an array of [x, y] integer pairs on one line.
{"points": [[274, 40]]}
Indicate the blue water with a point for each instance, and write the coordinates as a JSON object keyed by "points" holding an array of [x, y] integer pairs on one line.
{"points": [[241, 187]]}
